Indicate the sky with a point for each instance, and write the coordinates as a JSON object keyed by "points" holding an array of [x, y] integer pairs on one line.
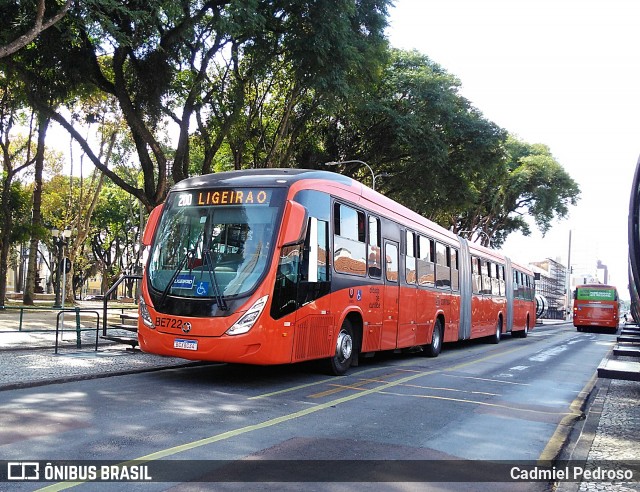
{"points": [[565, 73]]}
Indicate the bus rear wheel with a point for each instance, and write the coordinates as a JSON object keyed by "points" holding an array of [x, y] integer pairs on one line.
{"points": [[433, 349], [340, 362], [522, 333], [495, 338]]}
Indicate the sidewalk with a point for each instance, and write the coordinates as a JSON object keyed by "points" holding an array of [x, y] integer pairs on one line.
{"points": [[608, 437], [27, 355], [609, 433]]}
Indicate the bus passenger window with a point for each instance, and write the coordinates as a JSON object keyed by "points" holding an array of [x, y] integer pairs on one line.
{"points": [[350, 249], [410, 258], [443, 271], [486, 279], [426, 257], [495, 279], [375, 266], [455, 279], [477, 278], [391, 257]]}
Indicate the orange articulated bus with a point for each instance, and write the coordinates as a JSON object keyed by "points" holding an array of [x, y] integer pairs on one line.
{"points": [[281, 266], [595, 305]]}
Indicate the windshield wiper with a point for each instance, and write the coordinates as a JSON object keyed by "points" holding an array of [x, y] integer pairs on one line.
{"points": [[208, 261], [165, 292]]}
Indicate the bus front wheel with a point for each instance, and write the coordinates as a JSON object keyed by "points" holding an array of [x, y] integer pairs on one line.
{"points": [[340, 362]]}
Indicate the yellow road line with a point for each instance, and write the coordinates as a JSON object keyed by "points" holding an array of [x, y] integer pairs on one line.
{"points": [[317, 383], [288, 390], [250, 428], [336, 388], [419, 386], [397, 367]]}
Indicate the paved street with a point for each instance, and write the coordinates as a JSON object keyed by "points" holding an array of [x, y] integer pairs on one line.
{"points": [[35, 367]]}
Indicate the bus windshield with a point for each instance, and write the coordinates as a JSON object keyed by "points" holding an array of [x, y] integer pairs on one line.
{"points": [[213, 243]]}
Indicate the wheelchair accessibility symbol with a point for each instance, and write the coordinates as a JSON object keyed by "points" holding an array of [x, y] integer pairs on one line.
{"points": [[202, 289]]}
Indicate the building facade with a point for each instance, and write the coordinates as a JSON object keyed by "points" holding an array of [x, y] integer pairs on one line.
{"points": [[552, 285]]}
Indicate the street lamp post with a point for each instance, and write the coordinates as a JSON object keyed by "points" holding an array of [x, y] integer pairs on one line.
{"points": [[59, 241], [355, 161], [381, 175], [24, 256]]}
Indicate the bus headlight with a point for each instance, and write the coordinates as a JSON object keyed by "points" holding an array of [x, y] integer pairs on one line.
{"points": [[144, 314], [248, 319]]}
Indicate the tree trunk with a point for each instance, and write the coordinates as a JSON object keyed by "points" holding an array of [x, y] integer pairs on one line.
{"points": [[69, 298], [36, 216], [5, 242]]}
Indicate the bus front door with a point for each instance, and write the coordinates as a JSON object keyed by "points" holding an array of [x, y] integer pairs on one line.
{"points": [[391, 296]]}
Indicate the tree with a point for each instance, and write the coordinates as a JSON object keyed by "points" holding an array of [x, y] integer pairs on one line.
{"points": [[17, 154], [33, 30], [447, 161], [195, 60], [530, 183], [413, 124], [37, 231], [115, 235], [40, 73]]}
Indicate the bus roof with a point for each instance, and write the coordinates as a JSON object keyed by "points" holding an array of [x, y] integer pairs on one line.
{"points": [[596, 286], [255, 177]]}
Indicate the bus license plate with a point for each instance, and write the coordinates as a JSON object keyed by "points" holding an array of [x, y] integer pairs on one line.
{"points": [[180, 343]]}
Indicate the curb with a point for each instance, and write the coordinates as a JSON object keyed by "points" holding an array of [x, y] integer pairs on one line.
{"points": [[587, 432], [561, 437]]}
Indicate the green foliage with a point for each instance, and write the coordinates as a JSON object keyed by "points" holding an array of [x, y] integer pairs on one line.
{"points": [[53, 67], [263, 83], [215, 61], [413, 124], [20, 211], [287, 67], [112, 216], [530, 182], [447, 161], [115, 233]]}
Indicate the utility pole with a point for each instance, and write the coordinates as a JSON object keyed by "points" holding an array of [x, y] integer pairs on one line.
{"points": [[568, 288]]}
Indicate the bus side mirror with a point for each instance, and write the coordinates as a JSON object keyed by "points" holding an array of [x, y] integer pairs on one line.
{"points": [[150, 228], [293, 222]]}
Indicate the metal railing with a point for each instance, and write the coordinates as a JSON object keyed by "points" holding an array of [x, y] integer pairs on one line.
{"points": [[78, 329], [44, 322], [108, 295], [46, 318]]}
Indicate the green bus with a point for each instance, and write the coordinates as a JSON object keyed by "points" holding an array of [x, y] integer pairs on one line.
{"points": [[595, 305]]}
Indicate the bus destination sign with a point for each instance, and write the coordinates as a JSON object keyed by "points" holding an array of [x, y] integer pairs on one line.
{"points": [[586, 294], [240, 196]]}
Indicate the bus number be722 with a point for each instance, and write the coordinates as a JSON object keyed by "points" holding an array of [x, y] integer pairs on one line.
{"points": [[168, 322]]}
